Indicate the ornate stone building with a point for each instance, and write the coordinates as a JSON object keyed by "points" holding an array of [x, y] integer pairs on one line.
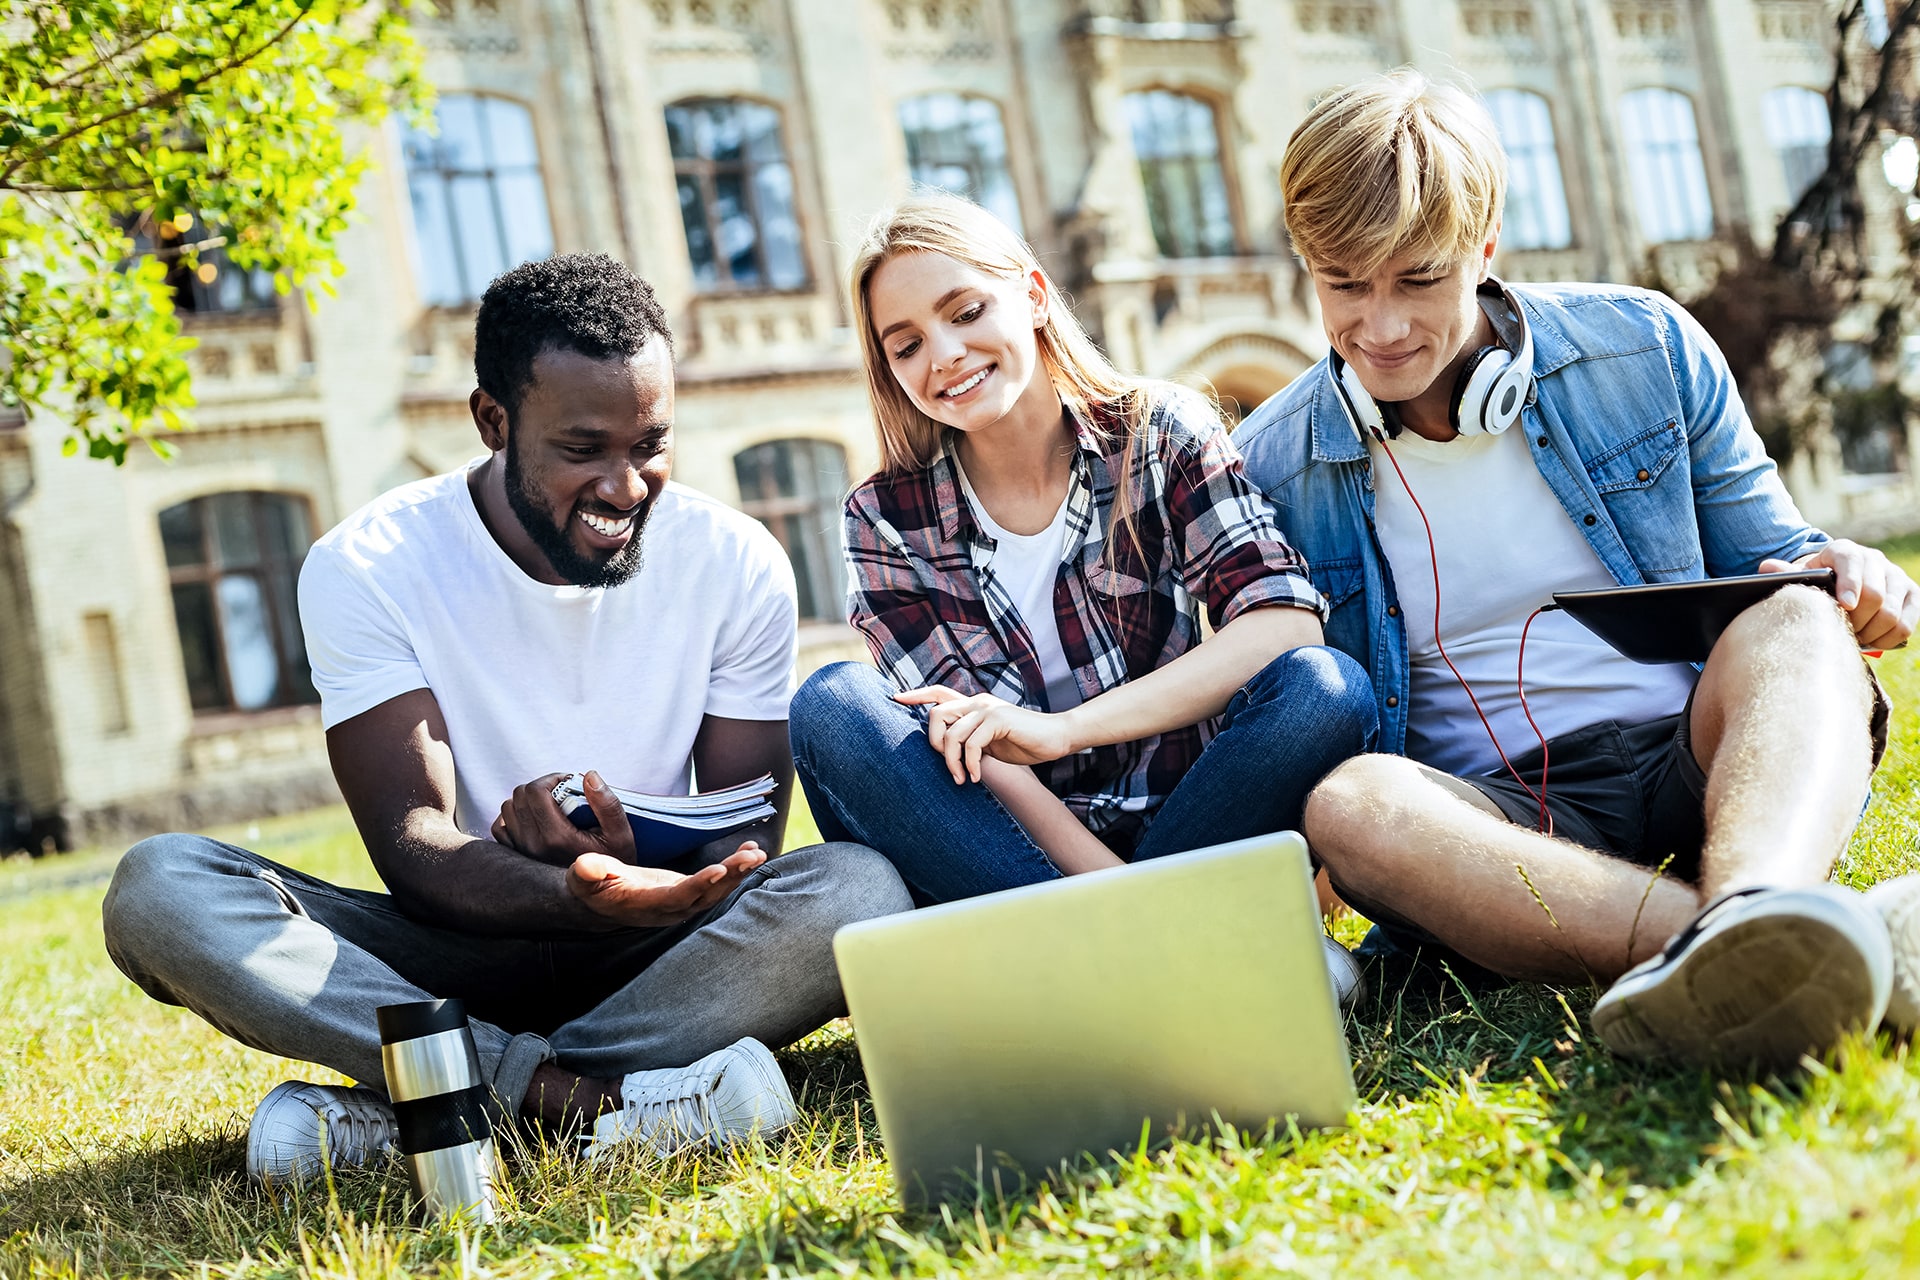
{"points": [[151, 666]]}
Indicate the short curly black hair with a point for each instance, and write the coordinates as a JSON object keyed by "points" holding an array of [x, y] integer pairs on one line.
{"points": [[584, 302]]}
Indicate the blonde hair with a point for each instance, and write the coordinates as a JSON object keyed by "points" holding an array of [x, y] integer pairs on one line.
{"points": [[1113, 403], [1395, 164]]}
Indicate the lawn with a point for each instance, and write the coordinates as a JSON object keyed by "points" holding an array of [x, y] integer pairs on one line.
{"points": [[1493, 1138]]}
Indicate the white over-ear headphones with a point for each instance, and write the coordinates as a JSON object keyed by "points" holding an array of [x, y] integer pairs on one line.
{"points": [[1489, 394]]}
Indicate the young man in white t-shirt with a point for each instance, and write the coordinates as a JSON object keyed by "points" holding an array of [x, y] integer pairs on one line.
{"points": [[557, 605], [1467, 451]]}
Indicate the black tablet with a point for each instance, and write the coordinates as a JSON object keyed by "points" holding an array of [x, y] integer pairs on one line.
{"points": [[1676, 621]]}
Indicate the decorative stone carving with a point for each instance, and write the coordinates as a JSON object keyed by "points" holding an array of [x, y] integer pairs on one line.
{"points": [[706, 27], [1653, 20], [1498, 19], [1351, 18], [1186, 13], [938, 30], [470, 27], [1797, 21]]}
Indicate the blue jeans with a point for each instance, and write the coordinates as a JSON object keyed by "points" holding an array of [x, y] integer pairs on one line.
{"points": [[870, 776]]}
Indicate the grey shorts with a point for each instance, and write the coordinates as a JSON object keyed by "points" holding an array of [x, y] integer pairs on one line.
{"points": [[1633, 791]]}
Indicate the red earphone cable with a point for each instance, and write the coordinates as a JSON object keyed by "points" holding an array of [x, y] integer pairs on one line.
{"points": [[1545, 825]]}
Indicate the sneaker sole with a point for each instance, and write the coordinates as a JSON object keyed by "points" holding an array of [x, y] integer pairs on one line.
{"points": [[1898, 902], [1766, 990]]}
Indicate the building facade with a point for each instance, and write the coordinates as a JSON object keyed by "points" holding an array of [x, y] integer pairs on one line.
{"points": [[152, 672]]}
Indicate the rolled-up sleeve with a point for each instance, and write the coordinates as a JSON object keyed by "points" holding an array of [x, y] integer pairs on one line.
{"points": [[1232, 553]]}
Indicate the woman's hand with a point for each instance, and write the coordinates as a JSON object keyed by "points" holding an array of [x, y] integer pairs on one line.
{"points": [[963, 729]]}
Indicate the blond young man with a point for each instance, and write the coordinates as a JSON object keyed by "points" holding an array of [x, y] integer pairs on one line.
{"points": [[1694, 815]]}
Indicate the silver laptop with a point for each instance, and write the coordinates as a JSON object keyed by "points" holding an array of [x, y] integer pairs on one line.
{"points": [[1007, 1034]]}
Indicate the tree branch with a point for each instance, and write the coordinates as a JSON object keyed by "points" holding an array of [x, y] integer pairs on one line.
{"points": [[117, 52], [158, 101]]}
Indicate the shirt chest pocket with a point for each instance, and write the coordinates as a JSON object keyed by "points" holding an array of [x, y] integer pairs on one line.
{"points": [[1340, 582], [1646, 486]]}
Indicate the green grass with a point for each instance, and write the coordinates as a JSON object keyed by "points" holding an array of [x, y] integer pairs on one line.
{"points": [[1492, 1138]]}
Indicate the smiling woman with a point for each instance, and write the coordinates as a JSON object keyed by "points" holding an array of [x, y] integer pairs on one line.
{"points": [[1030, 570]]}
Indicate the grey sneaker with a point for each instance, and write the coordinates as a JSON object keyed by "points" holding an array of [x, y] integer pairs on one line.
{"points": [[1349, 984], [1898, 902], [300, 1129], [727, 1095], [1760, 976]]}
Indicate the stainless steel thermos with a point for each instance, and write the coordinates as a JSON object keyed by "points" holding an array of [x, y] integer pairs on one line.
{"points": [[443, 1109]]}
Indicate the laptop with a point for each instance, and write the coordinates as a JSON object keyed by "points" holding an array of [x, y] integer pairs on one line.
{"points": [[1008, 1034]]}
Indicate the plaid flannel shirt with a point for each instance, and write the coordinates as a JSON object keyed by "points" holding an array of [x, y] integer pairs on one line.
{"points": [[923, 592]]}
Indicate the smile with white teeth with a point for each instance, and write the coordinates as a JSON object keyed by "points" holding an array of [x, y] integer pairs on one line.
{"points": [[960, 389], [606, 526]]}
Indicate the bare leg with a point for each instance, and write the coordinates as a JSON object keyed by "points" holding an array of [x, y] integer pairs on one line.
{"points": [[1441, 856], [1779, 725], [561, 1102]]}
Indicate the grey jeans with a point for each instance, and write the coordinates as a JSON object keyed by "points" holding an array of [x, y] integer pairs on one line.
{"points": [[288, 963]]}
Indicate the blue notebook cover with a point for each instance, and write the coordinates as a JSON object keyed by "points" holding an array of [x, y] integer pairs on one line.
{"points": [[670, 827]]}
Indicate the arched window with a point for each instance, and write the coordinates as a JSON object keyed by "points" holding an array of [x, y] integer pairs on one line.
{"points": [[1177, 141], [958, 144], [1664, 163], [795, 488], [1798, 128], [233, 560], [1536, 213], [479, 204], [736, 195]]}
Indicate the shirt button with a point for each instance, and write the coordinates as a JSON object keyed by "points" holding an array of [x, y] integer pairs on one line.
{"points": [[1592, 520], [1542, 442], [1641, 475], [1393, 611], [1393, 699]]}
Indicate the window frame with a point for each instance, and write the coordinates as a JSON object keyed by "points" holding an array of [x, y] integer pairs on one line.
{"points": [[973, 163], [1530, 160], [772, 510], [1667, 158], [703, 171], [1771, 115], [294, 677], [1235, 243], [490, 172]]}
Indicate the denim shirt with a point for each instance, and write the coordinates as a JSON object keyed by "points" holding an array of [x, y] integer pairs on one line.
{"points": [[1635, 425]]}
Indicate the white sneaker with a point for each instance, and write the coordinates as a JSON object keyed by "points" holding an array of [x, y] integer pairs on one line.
{"points": [[1898, 902], [300, 1129], [1760, 976], [727, 1095], [1349, 984]]}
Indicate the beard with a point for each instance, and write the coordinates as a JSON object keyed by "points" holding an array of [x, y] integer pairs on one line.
{"points": [[550, 534]]}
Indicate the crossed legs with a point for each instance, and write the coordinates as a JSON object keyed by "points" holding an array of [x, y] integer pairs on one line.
{"points": [[1778, 727]]}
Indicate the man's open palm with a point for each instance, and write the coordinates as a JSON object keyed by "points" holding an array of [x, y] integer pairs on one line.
{"points": [[649, 897]]}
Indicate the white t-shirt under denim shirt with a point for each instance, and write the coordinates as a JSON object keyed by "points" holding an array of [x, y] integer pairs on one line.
{"points": [[412, 592], [1505, 545], [1027, 565]]}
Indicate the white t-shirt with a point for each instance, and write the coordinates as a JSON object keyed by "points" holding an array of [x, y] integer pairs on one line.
{"points": [[1027, 565], [412, 592], [1505, 545]]}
